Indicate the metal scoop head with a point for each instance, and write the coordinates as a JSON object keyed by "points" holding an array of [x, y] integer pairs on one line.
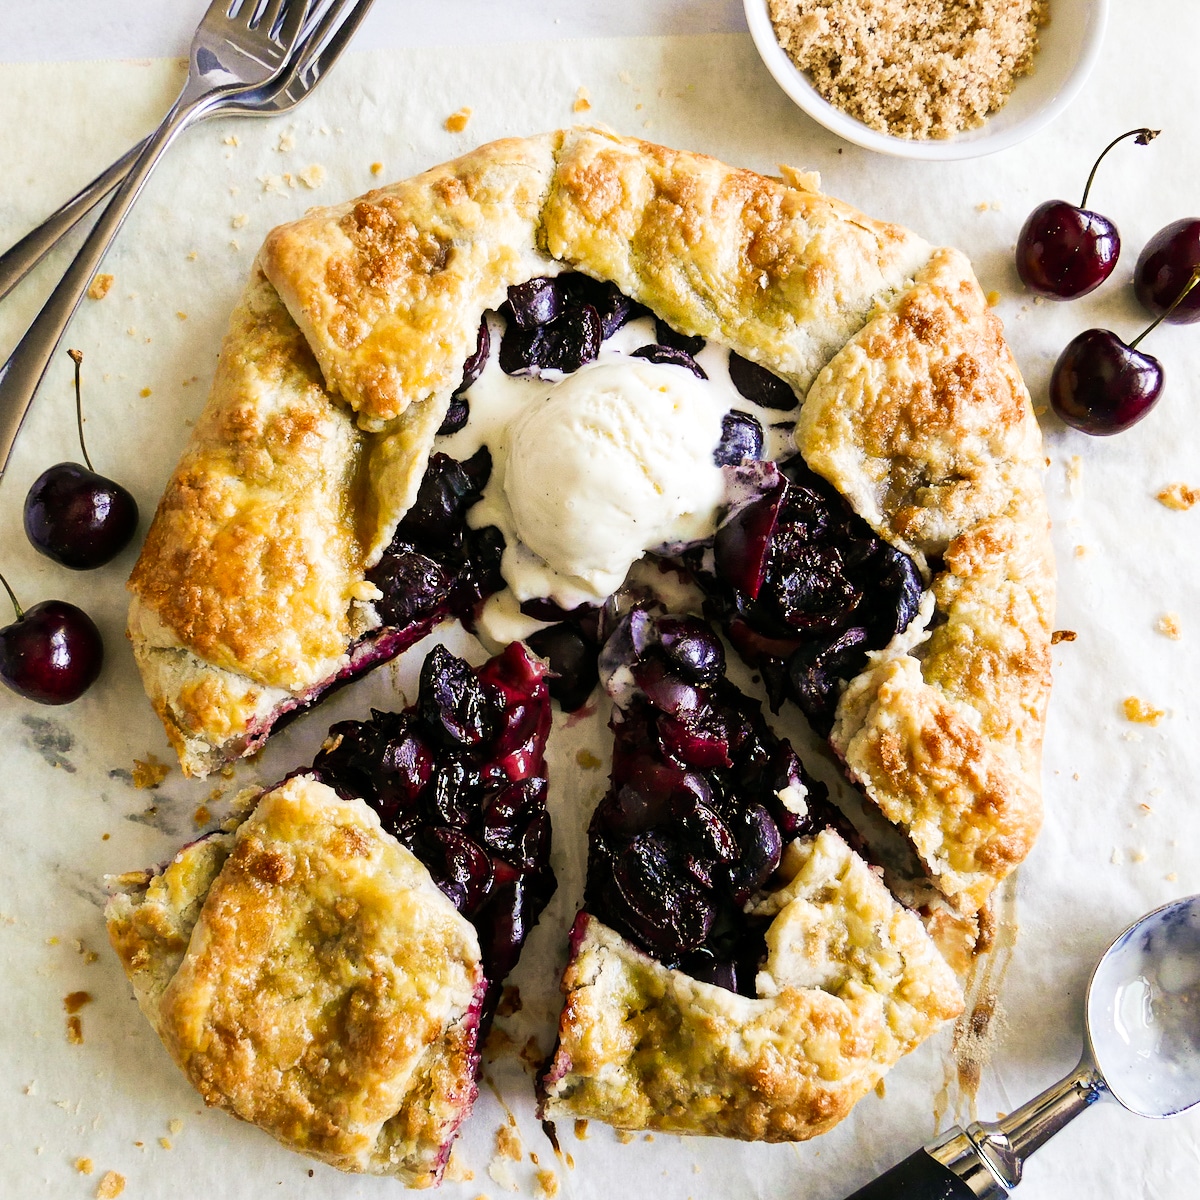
{"points": [[1143, 1012]]}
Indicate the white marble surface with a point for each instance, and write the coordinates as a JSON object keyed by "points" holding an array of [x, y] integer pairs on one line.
{"points": [[1122, 825]]}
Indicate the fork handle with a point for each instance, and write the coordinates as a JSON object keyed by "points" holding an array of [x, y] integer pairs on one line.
{"points": [[23, 372], [21, 258]]}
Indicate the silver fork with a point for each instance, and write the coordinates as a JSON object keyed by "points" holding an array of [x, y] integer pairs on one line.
{"points": [[324, 36], [240, 45]]}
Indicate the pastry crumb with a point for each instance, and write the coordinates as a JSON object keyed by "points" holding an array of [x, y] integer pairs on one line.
{"points": [[1178, 496], [881, 1089], [583, 101], [287, 142], [581, 1129], [231, 140], [500, 1172], [312, 176], [623, 1136], [547, 1185], [587, 760], [201, 816], [110, 1186], [1080, 552], [74, 1001], [1140, 712], [1138, 856], [912, 68], [149, 772], [1168, 626], [993, 298], [75, 1031], [1062, 635], [510, 1001], [84, 1166], [165, 1143], [456, 122], [508, 1143], [100, 285], [239, 220], [1171, 877], [175, 1126], [376, 168], [146, 393]]}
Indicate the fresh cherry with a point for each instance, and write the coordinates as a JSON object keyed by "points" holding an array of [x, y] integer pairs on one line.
{"points": [[76, 516], [1102, 386], [1163, 267], [52, 653], [1065, 251]]}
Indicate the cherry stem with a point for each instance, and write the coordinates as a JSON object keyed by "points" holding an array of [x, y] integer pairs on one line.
{"points": [[1191, 283], [16, 607], [76, 357], [1144, 138]]}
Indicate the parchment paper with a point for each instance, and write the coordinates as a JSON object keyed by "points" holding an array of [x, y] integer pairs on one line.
{"points": [[1122, 824]]}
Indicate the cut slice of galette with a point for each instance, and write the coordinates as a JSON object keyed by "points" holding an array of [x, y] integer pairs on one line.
{"points": [[327, 970], [738, 968], [307, 976]]}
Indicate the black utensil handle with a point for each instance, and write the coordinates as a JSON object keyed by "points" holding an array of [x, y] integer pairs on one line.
{"points": [[919, 1177]]}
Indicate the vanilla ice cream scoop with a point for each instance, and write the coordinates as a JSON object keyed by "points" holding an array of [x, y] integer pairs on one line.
{"points": [[615, 460]]}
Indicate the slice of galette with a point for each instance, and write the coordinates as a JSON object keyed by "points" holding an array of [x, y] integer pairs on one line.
{"points": [[307, 975], [738, 968], [327, 970]]}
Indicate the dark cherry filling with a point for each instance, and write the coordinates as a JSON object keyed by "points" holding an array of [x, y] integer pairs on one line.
{"points": [[460, 779], [804, 588], [435, 565], [558, 323], [692, 825]]}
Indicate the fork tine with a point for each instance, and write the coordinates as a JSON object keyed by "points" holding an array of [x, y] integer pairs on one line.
{"points": [[292, 21], [327, 48]]}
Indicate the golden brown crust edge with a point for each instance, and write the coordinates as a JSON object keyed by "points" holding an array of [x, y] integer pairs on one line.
{"points": [[851, 983], [922, 421], [307, 976]]}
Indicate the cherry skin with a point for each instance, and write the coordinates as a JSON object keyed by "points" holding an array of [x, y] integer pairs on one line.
{"points": [[1163, 267], [1102, 386], [75, 515], [1065, 250], [51, 653], [78, 517]]}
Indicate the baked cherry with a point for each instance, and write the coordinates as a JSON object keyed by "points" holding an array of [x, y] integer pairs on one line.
{"points": [[75, 515], [1065, 251], [1102, 386], [51, 653], [1163, 267]]}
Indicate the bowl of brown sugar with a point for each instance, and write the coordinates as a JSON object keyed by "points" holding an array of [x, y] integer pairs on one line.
{"points": [[930, 79]]}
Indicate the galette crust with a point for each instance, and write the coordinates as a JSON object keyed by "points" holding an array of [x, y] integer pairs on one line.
{"points": [[851, 983], [923, 423], [308, 976]]}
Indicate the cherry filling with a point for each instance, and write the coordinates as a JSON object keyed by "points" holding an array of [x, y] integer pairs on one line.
{"points": [[703, 798], [435, 565], [460, 779], [804, 588]]}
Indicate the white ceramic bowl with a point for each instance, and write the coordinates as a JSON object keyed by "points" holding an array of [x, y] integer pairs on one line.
{"points": [[1069, 46]]}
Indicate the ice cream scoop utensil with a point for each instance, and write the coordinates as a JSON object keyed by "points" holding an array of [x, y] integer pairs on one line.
{"points": [[325, 35], [1142, 1049], [239, 46]]}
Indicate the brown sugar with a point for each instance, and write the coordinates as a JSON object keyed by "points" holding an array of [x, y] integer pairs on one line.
{"points": [[912, 68]]}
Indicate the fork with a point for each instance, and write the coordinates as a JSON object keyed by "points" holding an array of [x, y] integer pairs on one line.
{"points": [[324, 36], [239, 45]]}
